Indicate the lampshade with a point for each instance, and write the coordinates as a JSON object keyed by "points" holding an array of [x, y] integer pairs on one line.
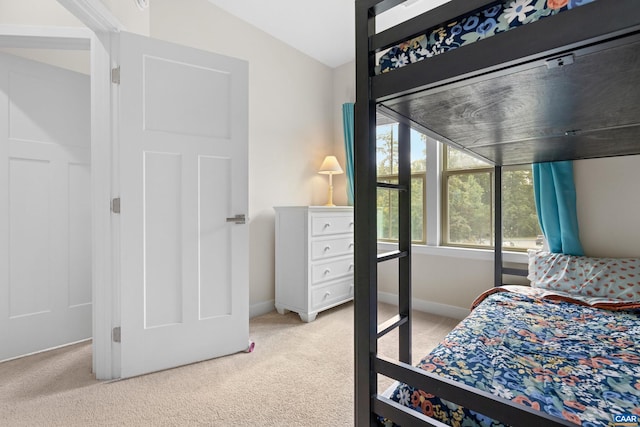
{"points": [[330, 166]]}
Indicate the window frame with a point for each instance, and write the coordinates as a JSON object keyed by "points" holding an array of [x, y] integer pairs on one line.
{"points": [[444, 219], [445, 174]]}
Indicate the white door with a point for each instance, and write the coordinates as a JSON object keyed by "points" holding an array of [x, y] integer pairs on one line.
{"points": [[182, 172], [45, 211]]}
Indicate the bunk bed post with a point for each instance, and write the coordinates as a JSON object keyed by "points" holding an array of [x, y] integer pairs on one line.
{"points": [[366, 271], [497, 259], [404, 240]]}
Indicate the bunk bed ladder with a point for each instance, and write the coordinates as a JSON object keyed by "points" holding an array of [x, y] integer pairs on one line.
{"points": [[367, 330], [400, 321], [403, 253]]}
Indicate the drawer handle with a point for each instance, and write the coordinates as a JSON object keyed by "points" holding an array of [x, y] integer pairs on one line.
{"points": [[350, 245], [327, 248], [350, 267], [351, 224], [327, 294], [327, 271], [327, 225]]}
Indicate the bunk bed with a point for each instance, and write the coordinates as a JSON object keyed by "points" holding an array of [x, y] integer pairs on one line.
{"points": [[551, 80]]}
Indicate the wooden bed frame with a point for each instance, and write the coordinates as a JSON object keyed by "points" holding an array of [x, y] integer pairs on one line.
{"points": [[602, 119]]}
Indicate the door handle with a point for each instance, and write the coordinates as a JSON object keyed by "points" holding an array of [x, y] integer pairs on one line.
{"points": [[238, 219]]}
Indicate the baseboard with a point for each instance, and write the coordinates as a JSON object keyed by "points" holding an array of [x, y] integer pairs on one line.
{"points": [[261, 308], [427, 306], [439, 309], [47, 349]]}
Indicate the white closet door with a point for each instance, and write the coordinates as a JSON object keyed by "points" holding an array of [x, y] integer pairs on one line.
{"points": [[45, 212], [183, 172]]}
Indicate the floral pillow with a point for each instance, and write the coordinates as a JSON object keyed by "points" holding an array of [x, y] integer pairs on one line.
{"points": [[611, 278]]}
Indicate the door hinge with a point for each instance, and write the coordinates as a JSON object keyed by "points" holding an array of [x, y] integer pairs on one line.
{"points": [[115, 75], [115, 334], [115, 205]]}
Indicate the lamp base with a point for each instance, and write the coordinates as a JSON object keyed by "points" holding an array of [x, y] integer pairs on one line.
{"points": [[330, 196]]}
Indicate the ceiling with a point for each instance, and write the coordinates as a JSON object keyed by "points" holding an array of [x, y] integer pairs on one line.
{"points": [[323, 29]]}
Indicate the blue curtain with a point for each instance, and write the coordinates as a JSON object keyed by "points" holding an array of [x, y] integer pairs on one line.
{"points": [[348, 126], [555, 195]]}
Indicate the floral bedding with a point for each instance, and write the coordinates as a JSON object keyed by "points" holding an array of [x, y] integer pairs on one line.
{"points": [[570, 360], [497, 17]]}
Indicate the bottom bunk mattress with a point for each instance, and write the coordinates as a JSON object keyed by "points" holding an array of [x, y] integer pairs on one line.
{"points": [[569, 360]]}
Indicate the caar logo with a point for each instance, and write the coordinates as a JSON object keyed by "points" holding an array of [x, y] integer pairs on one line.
{"points": [[625, 420]]}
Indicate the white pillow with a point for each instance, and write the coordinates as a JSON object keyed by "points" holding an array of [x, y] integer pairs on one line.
{"points": [[615, 278]]}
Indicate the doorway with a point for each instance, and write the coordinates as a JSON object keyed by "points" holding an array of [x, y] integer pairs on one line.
{"points": [[45, 189], [72, 41]]}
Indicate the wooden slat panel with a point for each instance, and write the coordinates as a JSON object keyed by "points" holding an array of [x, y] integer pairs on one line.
{"points": [[540, 113]]}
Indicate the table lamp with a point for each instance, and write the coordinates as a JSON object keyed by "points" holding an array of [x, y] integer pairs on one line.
{"points": [[329, 167]]}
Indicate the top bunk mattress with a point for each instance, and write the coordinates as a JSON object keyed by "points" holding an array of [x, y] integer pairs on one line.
{"points": [[497, 17]]}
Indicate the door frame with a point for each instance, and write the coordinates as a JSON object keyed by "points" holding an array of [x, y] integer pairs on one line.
{"points": [[102, 25]]}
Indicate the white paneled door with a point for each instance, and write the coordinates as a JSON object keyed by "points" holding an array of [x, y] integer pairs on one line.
{"points": [[45, 210], [183, 178]]}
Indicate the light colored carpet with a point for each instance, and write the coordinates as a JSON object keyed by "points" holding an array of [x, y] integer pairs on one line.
{"points": [[299, 375]]}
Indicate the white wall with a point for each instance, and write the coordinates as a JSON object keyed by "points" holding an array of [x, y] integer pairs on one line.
{"points": [[608, 203], [52, 13], [290, 118], [45, 13], [441, 279], [74, 60], [36, 12]]}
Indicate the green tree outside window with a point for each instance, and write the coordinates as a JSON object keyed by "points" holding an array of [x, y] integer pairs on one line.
{"points": [[387, 171]]}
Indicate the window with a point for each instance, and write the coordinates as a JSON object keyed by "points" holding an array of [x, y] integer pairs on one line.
{"points": [[387, 171], [459, 188], [467, 193]]}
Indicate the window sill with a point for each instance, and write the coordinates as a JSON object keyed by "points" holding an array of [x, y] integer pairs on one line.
{"points": [[452, 252]]}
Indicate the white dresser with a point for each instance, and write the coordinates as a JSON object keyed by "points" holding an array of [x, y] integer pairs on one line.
{"points": [[314, 258]]}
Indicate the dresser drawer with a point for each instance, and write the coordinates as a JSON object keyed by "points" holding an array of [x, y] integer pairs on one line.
{"points": [[331, 294], [327, 248], [325, 225], [321, 272]]}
